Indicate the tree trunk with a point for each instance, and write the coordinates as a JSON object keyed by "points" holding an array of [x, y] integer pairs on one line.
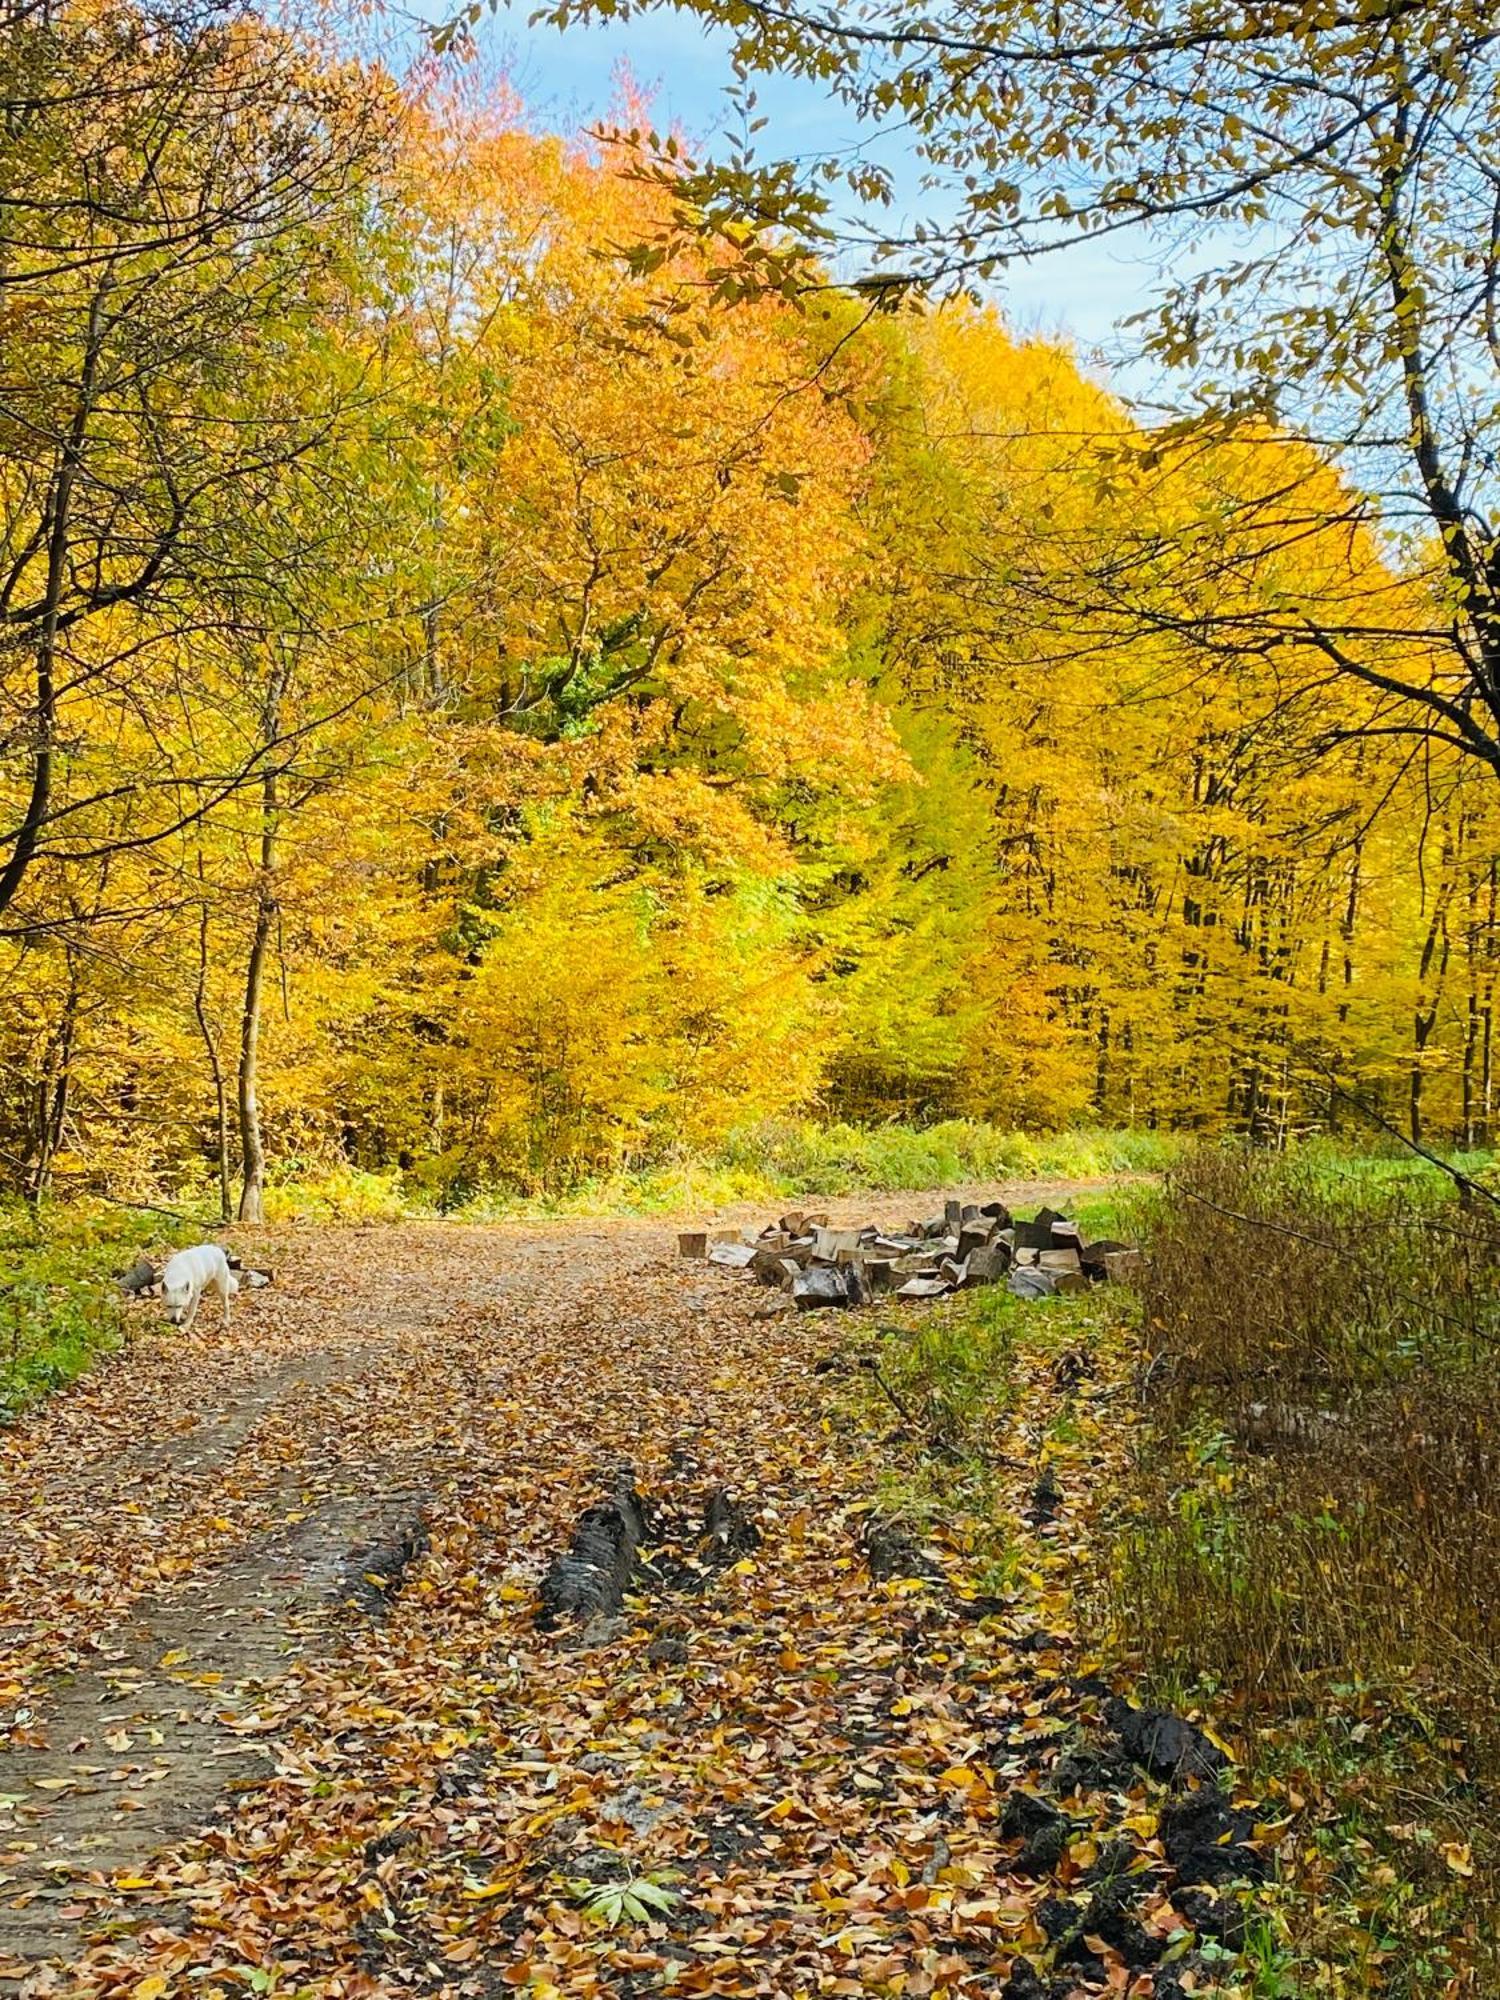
{"points": [[215, 1064], [58, 528], [1433, 968], [252, 1144], [53, 1093]]}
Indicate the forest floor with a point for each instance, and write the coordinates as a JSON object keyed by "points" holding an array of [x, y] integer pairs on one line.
{"points": [[282, 1719]]}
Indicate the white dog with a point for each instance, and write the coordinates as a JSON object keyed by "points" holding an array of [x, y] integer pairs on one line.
{"points": [[191, 1273]]}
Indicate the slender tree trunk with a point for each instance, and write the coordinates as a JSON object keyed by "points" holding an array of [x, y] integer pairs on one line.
{"points": [[215, 1064], [252, 1143], [23, 842], [53, 1093], [1434, 967]]}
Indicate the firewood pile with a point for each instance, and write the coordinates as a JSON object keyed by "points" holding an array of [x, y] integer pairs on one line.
{"points": [[969, 1244], [143, 1279]]}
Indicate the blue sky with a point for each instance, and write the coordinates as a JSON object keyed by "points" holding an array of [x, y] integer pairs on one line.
{"points": [[567, 80]]}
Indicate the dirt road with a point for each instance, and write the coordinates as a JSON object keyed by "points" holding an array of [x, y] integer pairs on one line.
{"points": [[282, 1718]]}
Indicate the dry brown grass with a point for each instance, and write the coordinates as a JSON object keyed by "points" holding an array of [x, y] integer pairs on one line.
{"points": [[1317, 1518]]}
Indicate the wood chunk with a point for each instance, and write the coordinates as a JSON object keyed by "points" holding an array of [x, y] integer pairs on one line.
{"points": [[818, 1286], [1034, 1235], [827, 1243], [1060, 1261], [975, 1235], [767, 1264], [732, 1256], [916, 1264], [793, 1223], [140, 1278], [1069, 1281], [1029, 1283], [997, 1211], [923, 1288], [988, 1263], [1092, 1255], [1123, 1267], [692, 1243], [857, 1286], [953, 1217]]}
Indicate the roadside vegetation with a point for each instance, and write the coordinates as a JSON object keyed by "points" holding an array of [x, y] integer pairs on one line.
{"points": [[1311, 1530], [1279, 1475], [59, 1307]]}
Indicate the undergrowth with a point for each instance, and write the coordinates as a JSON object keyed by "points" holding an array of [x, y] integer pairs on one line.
{"points": [[59, 1309], [765, 1163], [1312, 1534], [1292, 1525]]}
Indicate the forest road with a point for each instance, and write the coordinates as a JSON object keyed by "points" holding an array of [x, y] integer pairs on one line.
{"points": [[271, 1654]]}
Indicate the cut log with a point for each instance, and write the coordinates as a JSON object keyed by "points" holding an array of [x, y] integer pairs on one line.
{"points": [[1029, 1283], [593, 1574], [1034, 1235], [923, 1288], [975, 1235], [988, 1264], [692, 1243], [1068, 1281], [1059, 1261], [827, 1243], [140, 1278], [818, 1286], [1092, 1255], [1123, 1267], [998, 1211], [732, 1256], [916, 1264]]}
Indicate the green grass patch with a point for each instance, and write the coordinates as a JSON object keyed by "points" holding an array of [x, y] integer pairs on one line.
{"points": [[791, 1159], [59, 1307]]}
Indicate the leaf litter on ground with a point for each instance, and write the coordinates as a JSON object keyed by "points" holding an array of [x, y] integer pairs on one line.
{"points": [[767, 1771]]}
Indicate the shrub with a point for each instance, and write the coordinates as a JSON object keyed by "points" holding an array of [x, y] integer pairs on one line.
{"points": [[1317, 1513]]}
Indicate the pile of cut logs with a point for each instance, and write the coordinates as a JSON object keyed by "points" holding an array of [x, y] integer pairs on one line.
{"points": [[969, 1244]]}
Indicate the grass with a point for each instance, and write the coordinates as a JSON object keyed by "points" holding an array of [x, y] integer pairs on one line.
{"points": [[768, 1163], [59, 1309], [1312, 1532], [1296, 1524]]}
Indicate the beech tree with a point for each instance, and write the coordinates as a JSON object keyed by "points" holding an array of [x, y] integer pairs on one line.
{"points": [[1325, 179], [172, 188]]}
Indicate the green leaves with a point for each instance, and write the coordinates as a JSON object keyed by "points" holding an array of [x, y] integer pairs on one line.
{"points": [[635, 1900]]}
